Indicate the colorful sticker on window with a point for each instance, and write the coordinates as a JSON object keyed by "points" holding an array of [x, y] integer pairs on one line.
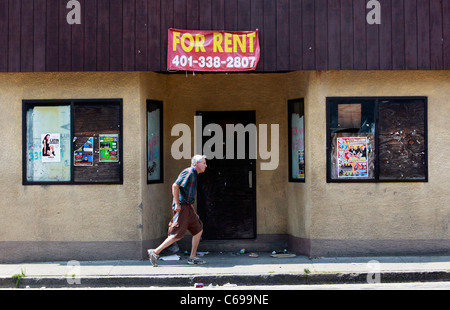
{"points": [[352, 157], [109, 148]]}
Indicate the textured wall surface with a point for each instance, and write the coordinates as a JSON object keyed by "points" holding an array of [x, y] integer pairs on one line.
{"points": [[37, 218], [78, 222], [376, 217]]}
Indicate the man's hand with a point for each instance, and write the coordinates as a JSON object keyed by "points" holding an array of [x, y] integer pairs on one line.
{"points": [[177, 207], [176, 196]]}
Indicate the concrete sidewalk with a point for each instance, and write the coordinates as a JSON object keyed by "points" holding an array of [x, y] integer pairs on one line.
{"points": [[227, 268]]}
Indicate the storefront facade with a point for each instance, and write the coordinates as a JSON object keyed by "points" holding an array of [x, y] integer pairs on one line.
{"points": [[123, 128]]}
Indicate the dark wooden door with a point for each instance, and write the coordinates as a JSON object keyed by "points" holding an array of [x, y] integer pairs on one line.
{"points": [[226, 192]]}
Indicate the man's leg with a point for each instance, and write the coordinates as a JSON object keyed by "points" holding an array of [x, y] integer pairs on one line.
{"points": [[195, 242], [166, 243], [154, 253], [193, 259], [177, 228], [196, 229]]}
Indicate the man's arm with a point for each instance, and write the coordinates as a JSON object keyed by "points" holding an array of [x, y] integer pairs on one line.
{"points": [[176, 196]]}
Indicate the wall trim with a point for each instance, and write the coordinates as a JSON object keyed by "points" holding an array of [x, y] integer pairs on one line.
{"points": [[371, 247], [46, 251]]}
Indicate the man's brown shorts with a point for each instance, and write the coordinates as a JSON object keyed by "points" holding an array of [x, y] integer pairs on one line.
{"points": [[186, 219]]}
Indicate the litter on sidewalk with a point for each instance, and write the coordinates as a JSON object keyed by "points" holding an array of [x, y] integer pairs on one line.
{"points": [[198, 253], [170, 257], [282, 254]]}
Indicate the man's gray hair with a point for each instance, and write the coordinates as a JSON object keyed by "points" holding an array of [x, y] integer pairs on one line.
{"points": [[196, 159]]}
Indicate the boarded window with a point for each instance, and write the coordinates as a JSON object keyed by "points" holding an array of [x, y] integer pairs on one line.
{"points": [[349, 115], [376, 139], [97, 132], [72, 141], [402, 143]]}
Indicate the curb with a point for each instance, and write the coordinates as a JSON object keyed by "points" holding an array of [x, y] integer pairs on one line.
{"points": [[239, 280]]}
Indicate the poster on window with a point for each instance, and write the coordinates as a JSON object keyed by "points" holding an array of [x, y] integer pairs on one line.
{"points": [[298, 147], [301, 164], [109, 148], [51, 148], [352, 157], [84, 156]]}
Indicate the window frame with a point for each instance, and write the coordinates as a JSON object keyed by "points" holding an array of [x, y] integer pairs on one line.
{"points": [[290, 103], [160, 105], [31, 103], [376, 102]]}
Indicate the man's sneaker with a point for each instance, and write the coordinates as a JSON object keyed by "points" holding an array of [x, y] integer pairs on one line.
{"points": [[195, 261], [153, 257]]}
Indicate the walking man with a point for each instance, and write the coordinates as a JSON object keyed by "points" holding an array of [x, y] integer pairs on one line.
{"points": [[184, 215]]}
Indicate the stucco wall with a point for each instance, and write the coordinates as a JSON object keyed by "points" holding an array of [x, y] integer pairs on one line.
{"points": [[227, 92], [69, 221], [120, 221], [155, 204], [320, 218], [376, 218]]}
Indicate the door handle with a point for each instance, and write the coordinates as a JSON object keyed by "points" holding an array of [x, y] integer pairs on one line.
{"points": [[250, 179]]}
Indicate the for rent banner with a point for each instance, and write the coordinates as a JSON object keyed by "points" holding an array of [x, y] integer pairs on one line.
{"points": [[212, 51]]}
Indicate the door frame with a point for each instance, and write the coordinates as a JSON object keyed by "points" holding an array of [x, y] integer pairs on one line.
{"points": [[251, 114]]}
